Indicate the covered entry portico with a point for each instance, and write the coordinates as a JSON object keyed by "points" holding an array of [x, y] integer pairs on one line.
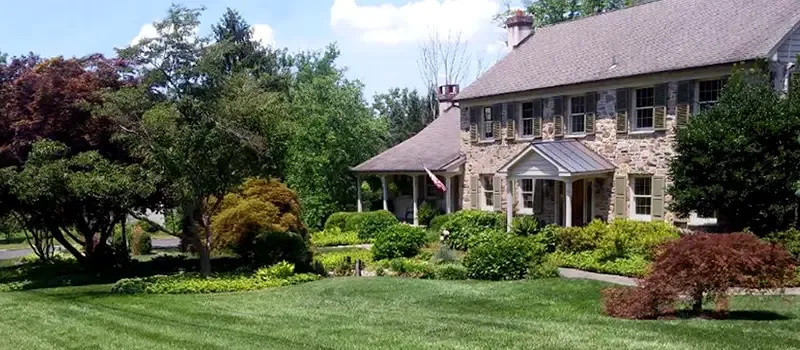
{"points": [[561, 173]]}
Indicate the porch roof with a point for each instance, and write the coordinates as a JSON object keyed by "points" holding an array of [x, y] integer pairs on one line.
{"points": [[570, 157]]}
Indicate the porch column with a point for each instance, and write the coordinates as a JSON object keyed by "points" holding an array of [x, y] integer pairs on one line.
{"points": [[359, 207], [415, 177], [509, 203], [568, 203], [448, 195], [385, 193]]}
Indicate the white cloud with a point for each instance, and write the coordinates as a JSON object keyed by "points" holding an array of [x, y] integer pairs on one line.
{"points": [[147, 31], [413, 22], [498, 47], [264, 34]]}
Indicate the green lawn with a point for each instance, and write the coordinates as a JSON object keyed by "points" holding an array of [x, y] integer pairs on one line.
{"points": [[369, 313]]}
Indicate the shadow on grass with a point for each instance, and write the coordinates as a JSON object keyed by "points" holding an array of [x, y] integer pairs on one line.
{"points": [[739, 315]]}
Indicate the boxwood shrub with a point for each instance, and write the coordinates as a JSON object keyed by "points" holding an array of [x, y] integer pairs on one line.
{"points": [[337, 221], [398, 241], [450, 271], [503, 257], [375, 222], [438, 222], [465, 224]]}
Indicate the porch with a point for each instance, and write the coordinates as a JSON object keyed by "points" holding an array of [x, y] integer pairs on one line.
{"points": [[404, 193], [562, 182]]}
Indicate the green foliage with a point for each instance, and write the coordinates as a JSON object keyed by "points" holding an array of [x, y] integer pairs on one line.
{"points": [[398, 241], [548, 237], [740, 157], [269, 248], [191, 283], [444, 255], [426, 213], [336, 260], [450, 271], [789, 239], [335, 237], [547, 269], [525, 225], [465, 224], [280, 270], [633, 266], [141, 243], [147, 226], [621, 238], [438, 222], [332, 130], [375, 222], [337, 220], [503, 257], [406, 112], [408, 267], [354, 220]]}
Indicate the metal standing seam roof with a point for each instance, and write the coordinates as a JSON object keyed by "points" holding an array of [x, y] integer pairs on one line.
{"points": [[661, 36], [573, 156]]}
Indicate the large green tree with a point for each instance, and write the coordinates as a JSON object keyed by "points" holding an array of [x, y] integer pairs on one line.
{"points": [[202, 128], [333, 130], [740, 157], [547, 12], [406, 112]]}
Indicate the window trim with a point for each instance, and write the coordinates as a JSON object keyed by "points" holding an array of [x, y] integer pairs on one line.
{"points": [[483, 130], [632, 198], [571, 114], [522, 119], [634, 108], [483, 195], [522, 209], [697, 104]]}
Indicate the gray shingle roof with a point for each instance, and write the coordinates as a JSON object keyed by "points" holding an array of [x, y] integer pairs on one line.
{"points": [[573, 156], [437, 146], [661, 36]]}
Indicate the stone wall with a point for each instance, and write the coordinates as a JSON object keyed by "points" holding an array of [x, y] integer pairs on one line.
{"points": [[632, 153]]}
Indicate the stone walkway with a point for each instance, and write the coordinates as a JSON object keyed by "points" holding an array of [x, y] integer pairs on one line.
{"points": [[632, 282]]}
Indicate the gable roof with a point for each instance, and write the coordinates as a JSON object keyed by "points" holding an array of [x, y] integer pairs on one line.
{"points": [[569, 156], [661, 36], [438, 146]]}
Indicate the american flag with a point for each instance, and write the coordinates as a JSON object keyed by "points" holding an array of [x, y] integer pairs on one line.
{"points": [[435, 180]]}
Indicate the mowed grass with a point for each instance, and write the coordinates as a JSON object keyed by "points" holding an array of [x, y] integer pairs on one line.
{"points": [[377, 313]]}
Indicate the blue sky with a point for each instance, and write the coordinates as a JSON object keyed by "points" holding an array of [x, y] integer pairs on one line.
{"points": [[379, 39]]}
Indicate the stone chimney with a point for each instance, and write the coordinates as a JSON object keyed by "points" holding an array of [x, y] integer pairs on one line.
{"points": [[519, 27], [446, 96]]}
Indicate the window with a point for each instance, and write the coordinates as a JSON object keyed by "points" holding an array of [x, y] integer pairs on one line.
{"points": [[527, 119], [642, 197], [487, 182], [708, 93], [577, 115], [488, 123], [527, 194], [644, 107], [431, 191]]}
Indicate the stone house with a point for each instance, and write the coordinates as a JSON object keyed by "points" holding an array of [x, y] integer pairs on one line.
{"points": [[578, 120]]}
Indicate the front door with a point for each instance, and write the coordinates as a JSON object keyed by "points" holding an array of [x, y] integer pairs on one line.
{"points": [[578, 200]]}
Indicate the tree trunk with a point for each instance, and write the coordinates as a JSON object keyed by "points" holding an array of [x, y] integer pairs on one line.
{"points": [[697, 302]]}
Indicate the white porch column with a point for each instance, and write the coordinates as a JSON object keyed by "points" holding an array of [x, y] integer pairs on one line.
{"points": [[509, 203], [448, 195], [359, 207], [568, 203], [385, 193], [416, 197]]}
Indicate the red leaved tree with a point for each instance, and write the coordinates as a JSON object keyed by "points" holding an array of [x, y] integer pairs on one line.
{"points": [[703, 267]]}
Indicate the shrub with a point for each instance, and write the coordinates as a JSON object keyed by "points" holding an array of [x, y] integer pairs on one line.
{"points": [[353, 222], [789, 239], [450, 271], [705, 267], [544, 270], [621, 238], [278, 271], [405, 267], [337, 221], [335, 237], [336, 260], [398, 241], [141, 243], [375, 222], [258, 206], [438, 222], [634, 266], [503, 257], [464, 224], [426, 213], [269, 248], [195, 283], [548, 237], [147, 226], [637, 303], [525, 225]]}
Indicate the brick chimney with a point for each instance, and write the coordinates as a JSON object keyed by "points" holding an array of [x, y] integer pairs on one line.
{"points": [[446, 96], [519, 27]]}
